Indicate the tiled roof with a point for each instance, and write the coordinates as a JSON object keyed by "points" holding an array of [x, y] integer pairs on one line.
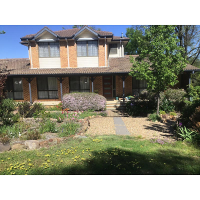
{"points": [[69, 33], [116, 65]]}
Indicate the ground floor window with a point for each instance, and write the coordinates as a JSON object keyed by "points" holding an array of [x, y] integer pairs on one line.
{"points": [[14, 88], [138, 86], [47, 88], [79, 84]]}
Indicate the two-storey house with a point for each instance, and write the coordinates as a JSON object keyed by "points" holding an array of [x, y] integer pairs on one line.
{"points": [[73, 60]]}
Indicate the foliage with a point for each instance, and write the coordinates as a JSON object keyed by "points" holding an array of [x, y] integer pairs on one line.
{"points": [[160, 60], [7, 106], [47, 126], [186, 133], [84, 101], [55, 108], [154, 117], [26, 110], [176, 96], [167, 105], [69, 128], [172, 113], [195, 119], [195, 79], [189, 39], [132, 48], [4, 138], [194, 92], [162, 112], [139, 108], [188, 111], [33, 135]]}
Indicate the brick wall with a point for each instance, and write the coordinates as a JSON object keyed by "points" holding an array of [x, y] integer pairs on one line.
{"points": [[63, 54], [119, 86], [98, 84], [35, 55], [72, 53], [102, 52]]}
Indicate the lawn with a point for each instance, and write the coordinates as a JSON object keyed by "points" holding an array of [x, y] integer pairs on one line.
{"points": [[104, 155]]}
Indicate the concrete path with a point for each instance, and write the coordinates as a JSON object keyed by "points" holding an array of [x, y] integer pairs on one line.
{"points": [[120, 127]]}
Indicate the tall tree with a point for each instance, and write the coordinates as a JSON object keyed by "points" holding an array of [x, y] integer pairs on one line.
{"points": [[189, 39], [160, 60], [2, 32], [133, 33]]}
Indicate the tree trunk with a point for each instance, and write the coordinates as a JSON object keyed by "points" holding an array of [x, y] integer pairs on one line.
{"points": [[158, 103]]}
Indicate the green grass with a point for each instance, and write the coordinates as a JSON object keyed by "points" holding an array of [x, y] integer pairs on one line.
{"points": [[68, 129], [104, 155]]}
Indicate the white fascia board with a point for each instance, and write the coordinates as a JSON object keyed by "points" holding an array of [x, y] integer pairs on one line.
{"points": [[45, 29], [84, 39], [81, 30], [46, 40]]}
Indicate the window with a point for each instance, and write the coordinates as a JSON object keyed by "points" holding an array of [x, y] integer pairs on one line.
{"points": [[47, 88], [113, 48], [79, 84], [49, 49], [138, 85], [14, 88], [87, 49]]}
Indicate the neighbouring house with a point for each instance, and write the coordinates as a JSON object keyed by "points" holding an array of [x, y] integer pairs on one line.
{"points": [[74, 60]]}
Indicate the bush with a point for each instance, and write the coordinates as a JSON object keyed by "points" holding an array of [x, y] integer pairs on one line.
{"points": [[172, 113], [175, 96], [194, 92], [48, 126], [186, 133], [167, 105], [26, 110], [195, 119], [7, 106], [154, 117], [68, 129], [162, 112], [84, 101], [33, 135]]}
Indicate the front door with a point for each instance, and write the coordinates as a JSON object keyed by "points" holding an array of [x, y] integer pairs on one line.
{"points": [[107, 86]]}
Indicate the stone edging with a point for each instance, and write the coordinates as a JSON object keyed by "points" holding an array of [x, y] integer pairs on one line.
{"points": [[36, 144]]}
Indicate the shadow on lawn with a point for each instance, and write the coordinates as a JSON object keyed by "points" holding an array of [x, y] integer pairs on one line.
{"points": [[118, 162]]}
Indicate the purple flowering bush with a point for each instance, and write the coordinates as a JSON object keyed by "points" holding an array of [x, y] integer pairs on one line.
{"points": [[84, 101]]}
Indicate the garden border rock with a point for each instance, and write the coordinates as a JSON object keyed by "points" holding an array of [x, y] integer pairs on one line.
{"points": [[43, 143]]}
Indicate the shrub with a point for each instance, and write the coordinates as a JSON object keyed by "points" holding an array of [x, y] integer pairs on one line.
{"points": [[186, 133], [48, 126], [154, 117], [167, 105], [68, 129], [175, 96], [172, 113], [33, 135], [162, 112], [84, 101], [195, 119], [26, 110], [194, 92], [7, 106], [4, 138], [138, 108]]}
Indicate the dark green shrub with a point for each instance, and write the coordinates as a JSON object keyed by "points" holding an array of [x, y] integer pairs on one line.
{"points": [[194, 92], [154, 117], [36, 109], [33, 135], [24, 108], [48, 126], [167, 105], [84, 101], [195, 119], [7, 106]]}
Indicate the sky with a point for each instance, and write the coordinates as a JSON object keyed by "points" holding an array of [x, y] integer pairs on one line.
{"points": [[10, 41]]}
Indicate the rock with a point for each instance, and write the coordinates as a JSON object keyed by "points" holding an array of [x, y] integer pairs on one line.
{"points": [[32, 144], [5, 147], [18, 147], [44, 143], [79, 136]]}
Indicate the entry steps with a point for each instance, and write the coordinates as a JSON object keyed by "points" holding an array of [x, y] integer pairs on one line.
{"points": [[115, 105]]}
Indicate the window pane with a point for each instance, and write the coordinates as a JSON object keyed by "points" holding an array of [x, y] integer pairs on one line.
{"points": [[17, 84], [52, 83], [54, 49], [81, 49], [43, 95], [113, 48], [42, 83], [84, 84], [92, 48], [18, 95], [53, 94], [43, 50], [74, 83]]}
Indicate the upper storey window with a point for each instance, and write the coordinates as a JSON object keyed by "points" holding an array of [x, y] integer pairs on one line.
{"points": [[49, 49], [87, 48]]}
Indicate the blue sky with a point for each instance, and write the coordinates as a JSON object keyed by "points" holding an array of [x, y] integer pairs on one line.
{"points": [[10, 42]]}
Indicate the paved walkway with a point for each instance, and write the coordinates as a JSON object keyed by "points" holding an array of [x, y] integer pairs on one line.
{"points": [[120, 127]]}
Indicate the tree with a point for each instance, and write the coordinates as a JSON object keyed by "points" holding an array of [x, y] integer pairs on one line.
{"points": [[134, 33], [77, 26], [189, 39], [2, 32], [92, 27], [160, 60]]}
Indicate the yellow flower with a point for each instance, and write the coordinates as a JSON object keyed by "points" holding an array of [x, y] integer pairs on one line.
{"points": [[8, 158]]}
